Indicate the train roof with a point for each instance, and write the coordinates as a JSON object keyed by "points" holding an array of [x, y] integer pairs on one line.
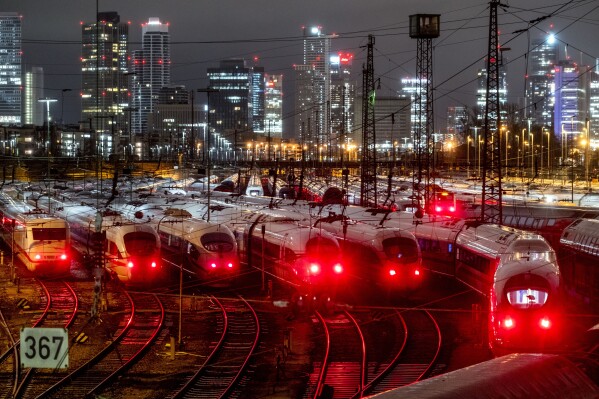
{"points": [[513, 376], [586, 227]]}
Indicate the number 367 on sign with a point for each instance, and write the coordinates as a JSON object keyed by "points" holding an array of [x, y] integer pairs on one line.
{"points": [[44, 348]]}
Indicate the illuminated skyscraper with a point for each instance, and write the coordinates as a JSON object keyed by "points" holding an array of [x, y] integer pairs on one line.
{"points": [[33, 110], [10, 68], [411, 89], [104, 91], [540, 81], [274, 104], [259, 124], [457, 117], [570, 110], [481, 94], [594, 105], [316, 68], [152, 68], [342, 96]]}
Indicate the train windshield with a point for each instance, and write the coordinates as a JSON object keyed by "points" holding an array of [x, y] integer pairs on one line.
{"points": [[217, 242], [527, 298], [49, 233], [140, 243], [401, 249]]}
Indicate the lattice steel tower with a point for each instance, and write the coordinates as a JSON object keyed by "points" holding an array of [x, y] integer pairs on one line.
{"points": [[368, 175], [424, 27], [491, 209]]}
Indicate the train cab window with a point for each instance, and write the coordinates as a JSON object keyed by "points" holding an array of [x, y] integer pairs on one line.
{"points": [[217, 242], [527, 298], [401, 249], [49, 234], [140, 243]]}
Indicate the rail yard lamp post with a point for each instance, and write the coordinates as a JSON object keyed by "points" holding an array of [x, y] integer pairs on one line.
{"points": [[62, 104]]}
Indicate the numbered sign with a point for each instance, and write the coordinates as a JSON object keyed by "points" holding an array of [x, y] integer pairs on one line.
{"points": [[44, 348]]}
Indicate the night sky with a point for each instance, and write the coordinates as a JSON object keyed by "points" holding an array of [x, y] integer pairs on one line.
{"points": [[204, 32]]}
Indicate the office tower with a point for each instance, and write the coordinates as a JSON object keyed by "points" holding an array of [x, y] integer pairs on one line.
{"points": [[273, 112], [104, 91], [570, 111], [10, 68], [151, 71], [457, 118], [314, 104], [33, 110], [230, 106], [257, 95], [481, 94], [390, 131], [540, 79], [411, 89], [343, 92], [594, 105]]}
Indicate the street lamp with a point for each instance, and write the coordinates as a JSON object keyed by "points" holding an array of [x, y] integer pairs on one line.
{"points": [[547, 132], [468, 140], [47, 141]]}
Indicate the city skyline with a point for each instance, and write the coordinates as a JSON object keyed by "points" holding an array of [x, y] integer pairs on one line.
{"points": [[278, 43]]}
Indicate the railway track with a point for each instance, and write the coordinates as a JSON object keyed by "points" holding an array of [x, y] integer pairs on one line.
{"points": [[364, 352], [222, 371], [133, 337], [60, 305]]}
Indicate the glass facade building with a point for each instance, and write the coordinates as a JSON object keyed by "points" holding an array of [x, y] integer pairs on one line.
{"points": [[10, 68]]}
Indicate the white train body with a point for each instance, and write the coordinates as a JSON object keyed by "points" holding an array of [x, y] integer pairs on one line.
{"points": [[387, 258], [579, 250], [41, 242], [130, 251], [205, 250]]}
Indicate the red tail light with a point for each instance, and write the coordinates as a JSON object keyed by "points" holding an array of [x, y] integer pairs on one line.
{"points": [[438, 208], [153, 264], [314, 268], [545, 323], [508, 322], [230, 265], [38, 257], [63, 257], [452, 209], [338, 268], [416, 272], [130, 265], [392, 272], [213, 265]]}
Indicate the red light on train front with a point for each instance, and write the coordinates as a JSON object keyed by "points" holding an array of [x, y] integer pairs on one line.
{"points": [[508, 322], [63, 257], [314, 268], [230, 265], [438, 208], [130, 265], [392, 272], [337, 268], [153, 264], [416, 272], [452, 209], [545, 323], [213, 265], [38, 257]]}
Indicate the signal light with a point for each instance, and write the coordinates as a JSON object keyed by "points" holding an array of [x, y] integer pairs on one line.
{"points": [[337, 268], [63, 257], [508, 322], [545, 323], [230, 265], [153, 264], [213, 265], [314, 268], [392, 272], [38, 257], [130, 265]]}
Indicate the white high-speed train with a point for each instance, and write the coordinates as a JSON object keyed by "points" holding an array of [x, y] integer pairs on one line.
{"points": [[130, 251], [41, 241], [206, 250]]}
